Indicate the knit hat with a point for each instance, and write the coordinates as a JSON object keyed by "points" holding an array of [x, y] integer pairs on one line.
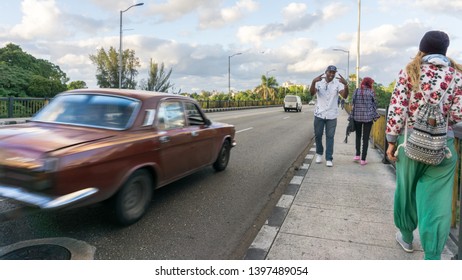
{"points": [[434, 42]]}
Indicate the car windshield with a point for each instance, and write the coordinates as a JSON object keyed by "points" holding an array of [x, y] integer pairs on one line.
{"points": [[103, 111], [290, 99]]}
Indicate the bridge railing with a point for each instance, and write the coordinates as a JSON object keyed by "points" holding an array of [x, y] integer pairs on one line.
{"points": [[21, 107], [26, 107]]}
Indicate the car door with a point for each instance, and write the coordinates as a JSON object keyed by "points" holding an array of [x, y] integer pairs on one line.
{"points": [[201, 135], [174, 139]]}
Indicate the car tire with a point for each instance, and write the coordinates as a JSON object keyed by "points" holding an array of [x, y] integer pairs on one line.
{"points": [[133, 199], [223, 157]]}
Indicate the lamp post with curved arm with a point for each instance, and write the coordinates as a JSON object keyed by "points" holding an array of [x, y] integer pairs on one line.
{"points": [[120, 42], [229, 73], [348, 62]]}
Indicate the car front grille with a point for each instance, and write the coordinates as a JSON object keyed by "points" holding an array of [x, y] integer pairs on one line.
{"points": [[36, 181]]}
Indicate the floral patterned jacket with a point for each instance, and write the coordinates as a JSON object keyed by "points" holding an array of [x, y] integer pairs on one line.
{"points": [[436, 76]]}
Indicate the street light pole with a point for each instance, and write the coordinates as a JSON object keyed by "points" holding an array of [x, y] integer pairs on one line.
{"points": [[120, 43], [348, 62], [229, 73]]}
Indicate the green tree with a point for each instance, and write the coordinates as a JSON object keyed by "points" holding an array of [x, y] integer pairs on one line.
{"points": [[129, 64], [76, 85], [384, 94], [107, 68], [158, 78], [246, 95], [25, 75], [268, 88], [205, 95], [219, 97]]}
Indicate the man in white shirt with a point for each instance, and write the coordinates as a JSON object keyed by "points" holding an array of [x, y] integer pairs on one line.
{"points": [[328, 88]]}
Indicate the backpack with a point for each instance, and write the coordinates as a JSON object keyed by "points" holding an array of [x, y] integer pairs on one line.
{"points": [[427, 141]]}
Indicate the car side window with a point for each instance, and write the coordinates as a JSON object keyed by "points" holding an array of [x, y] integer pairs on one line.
{"points": [[193, 114], [170, 115]]}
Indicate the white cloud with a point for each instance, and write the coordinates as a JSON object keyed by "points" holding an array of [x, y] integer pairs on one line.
{"points": [[250, 35], [446, 7], [441, 5], [297, 49], [298, 37], [235, 12], [213, 18], [40, 20], [73, 59], [334, 10], [175, 9], [294, 10], [315, 61], [296, 17], [392, 38]]}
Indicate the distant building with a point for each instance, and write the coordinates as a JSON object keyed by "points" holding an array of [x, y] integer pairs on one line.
{"points": [[290, 84]]}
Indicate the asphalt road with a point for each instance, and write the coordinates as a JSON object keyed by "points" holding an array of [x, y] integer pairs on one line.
{"points": [[207, 215]]}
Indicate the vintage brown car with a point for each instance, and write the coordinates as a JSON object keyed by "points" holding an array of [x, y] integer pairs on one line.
{"points": [[88, 146]]}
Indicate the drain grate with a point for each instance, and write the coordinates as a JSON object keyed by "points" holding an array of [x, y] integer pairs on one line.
{"points": [[38, 252]]}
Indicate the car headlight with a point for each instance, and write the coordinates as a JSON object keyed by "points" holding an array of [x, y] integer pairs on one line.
{"points": [[48, 165], [42, 178]]}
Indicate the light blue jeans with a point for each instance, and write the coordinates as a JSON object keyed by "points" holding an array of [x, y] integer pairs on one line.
{"points": [[329, 126]]}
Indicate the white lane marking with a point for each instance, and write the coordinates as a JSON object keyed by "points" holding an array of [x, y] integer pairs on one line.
{"points": [[242, 130], [285, 118], [240, 114]]}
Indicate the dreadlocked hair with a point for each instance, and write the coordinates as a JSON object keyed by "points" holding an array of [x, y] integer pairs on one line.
{"points": [[413, 69]]}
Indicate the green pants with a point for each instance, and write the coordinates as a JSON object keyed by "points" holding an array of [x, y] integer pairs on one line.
{"points": [[423, 198]]}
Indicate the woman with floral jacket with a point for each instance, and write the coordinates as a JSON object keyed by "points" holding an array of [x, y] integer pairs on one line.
{"points": [[423, 192]]}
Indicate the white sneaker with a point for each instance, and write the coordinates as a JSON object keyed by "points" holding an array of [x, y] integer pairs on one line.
{"points": [[318, 158], [406, 246], [329, 163]]}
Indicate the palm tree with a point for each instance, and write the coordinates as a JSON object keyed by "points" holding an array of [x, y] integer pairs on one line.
{"points": [[158, 79], [268, 87]]}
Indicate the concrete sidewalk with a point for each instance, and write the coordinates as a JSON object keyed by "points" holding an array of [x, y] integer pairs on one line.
{"points": [[343, 212]]}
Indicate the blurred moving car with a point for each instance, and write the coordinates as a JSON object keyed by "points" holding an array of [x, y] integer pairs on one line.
{"points": [[312, 102], [292, 102], [88, 146]]}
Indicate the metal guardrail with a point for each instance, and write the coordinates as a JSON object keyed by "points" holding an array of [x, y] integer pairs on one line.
{"points": [[209, 104], [21, 107], [379, 141], [26, 107]]}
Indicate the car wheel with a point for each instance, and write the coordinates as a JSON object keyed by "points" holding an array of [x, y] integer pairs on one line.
{"points": [[223, 157], [132, 200]]}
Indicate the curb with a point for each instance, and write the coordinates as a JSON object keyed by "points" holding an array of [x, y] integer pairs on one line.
{"points": [[262, 243]]}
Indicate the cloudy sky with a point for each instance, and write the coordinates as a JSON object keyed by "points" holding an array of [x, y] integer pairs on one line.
{"points": [[290, 40]]}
